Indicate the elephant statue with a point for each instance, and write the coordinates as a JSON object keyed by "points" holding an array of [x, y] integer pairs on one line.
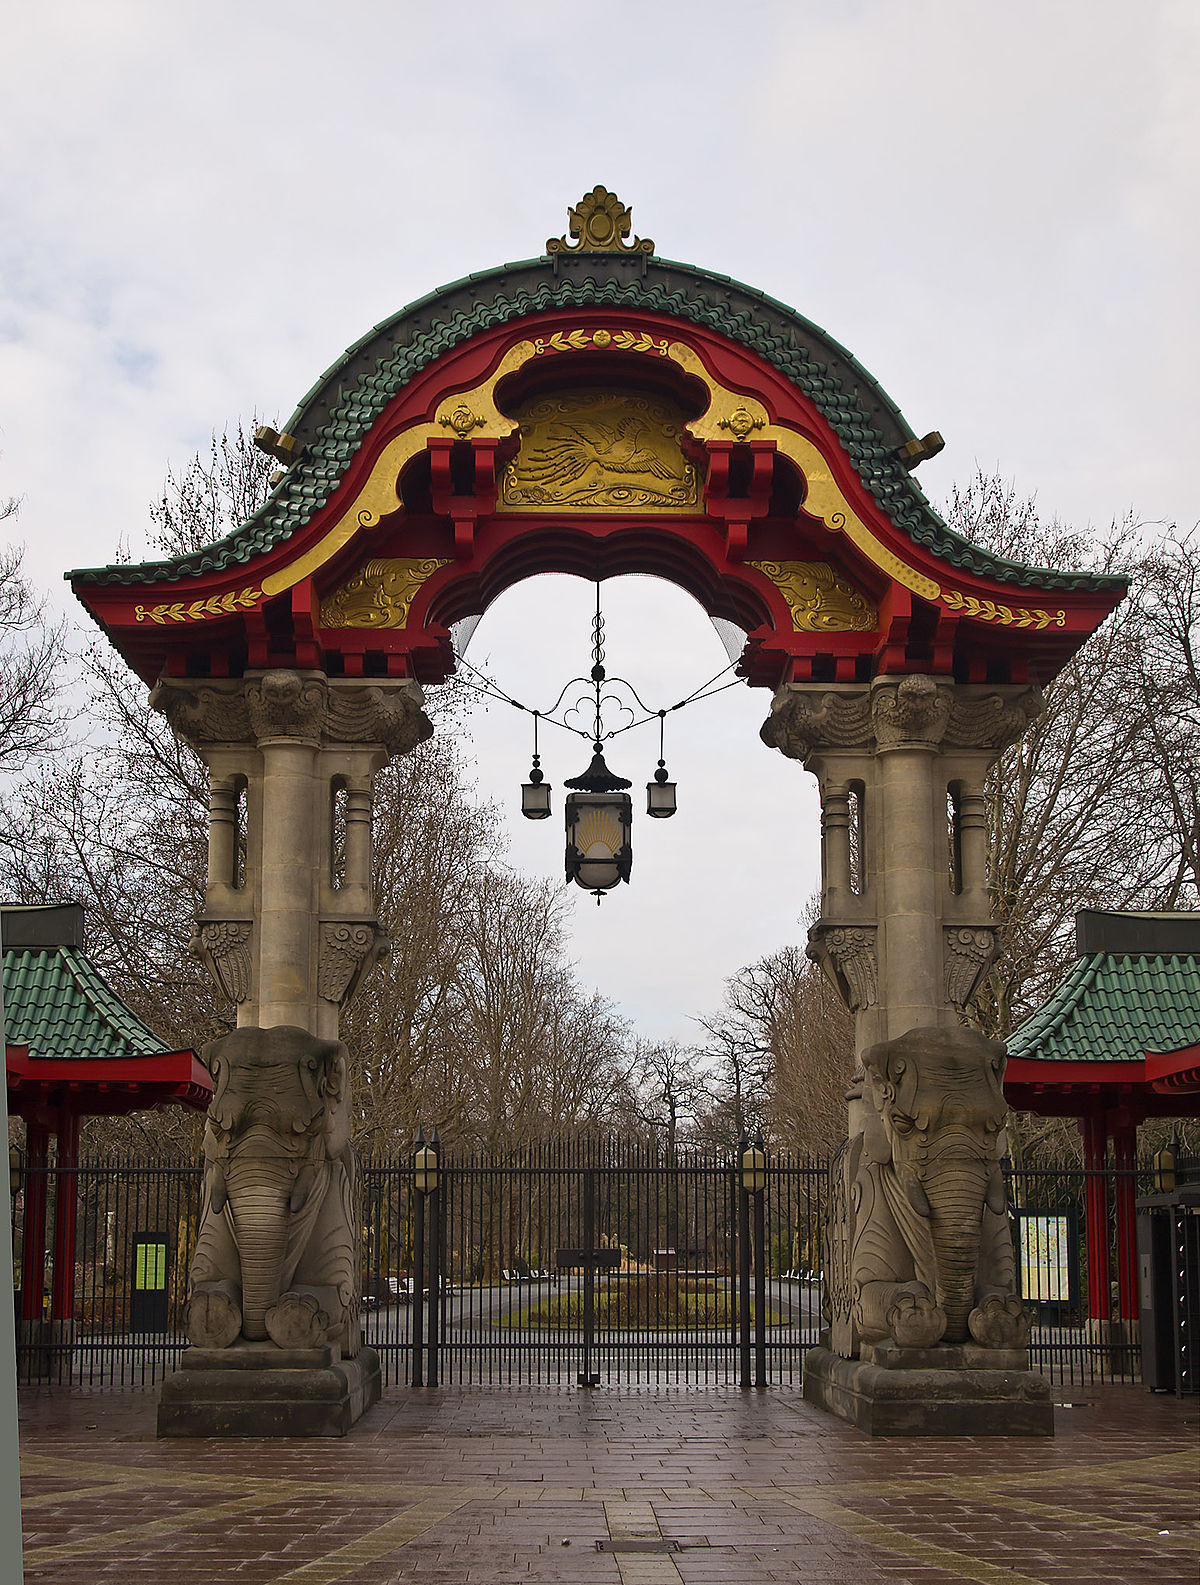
{"points": [[277, 1252], [926, 1251]]}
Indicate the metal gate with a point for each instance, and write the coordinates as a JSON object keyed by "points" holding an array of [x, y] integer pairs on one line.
{"points": [[592, 1264]]}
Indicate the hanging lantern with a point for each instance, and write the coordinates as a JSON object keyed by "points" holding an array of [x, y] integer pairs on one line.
{"points": [[535, 793], [599, 817], [660, 793]]}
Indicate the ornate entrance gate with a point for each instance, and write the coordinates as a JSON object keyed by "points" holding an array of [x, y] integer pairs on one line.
{"points": [[594, 1265], [600, 411]]}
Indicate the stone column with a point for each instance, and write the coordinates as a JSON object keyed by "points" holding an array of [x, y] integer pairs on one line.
{"points": [[287, 940], [925, 1331], [907, 948]]}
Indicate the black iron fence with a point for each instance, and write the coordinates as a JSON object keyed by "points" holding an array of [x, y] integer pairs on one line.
{"points": [[564, 1264]]}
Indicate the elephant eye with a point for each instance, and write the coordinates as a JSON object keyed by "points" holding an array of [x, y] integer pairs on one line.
{"points": [[902, 1124]]}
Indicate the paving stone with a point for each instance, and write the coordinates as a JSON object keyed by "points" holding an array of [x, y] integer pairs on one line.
{"points": [[482, 1487]]}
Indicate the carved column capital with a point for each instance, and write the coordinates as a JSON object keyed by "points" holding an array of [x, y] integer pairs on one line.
{"points": [[911, 713], [223, 946], [203, 713], [393, 717], [848, 955], [303, 707], [969, 950], [992, 719], [348, 950], [285, 704], [803, 721]]}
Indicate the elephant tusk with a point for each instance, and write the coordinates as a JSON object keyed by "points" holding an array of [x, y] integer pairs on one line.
{"points": [[995, 1192]]}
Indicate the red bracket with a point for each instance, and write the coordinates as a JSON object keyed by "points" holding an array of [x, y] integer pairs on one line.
{"points": [[737, 512], [452, 464]]}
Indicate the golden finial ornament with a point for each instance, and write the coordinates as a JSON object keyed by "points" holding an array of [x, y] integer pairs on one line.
{"points": [[600, 222]]}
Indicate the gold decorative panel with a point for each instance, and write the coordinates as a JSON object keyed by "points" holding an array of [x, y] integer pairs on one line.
{"points": [[820, 601], [600, 451], [380, 594]]}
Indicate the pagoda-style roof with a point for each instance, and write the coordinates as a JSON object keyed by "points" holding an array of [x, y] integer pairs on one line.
{"points": [[333, 419], [70, 1039], [1125, 1020], [597, 411]]}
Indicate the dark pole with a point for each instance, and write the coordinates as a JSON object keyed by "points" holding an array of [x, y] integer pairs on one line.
{"points": [[743, 1271], [418, 1292], [435, 1267], [589, 1274], [760, 1289]]}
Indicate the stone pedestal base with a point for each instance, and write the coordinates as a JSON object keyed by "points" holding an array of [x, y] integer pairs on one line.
{"points": [[952, 1390], [257, 1389], [45, 1351]]}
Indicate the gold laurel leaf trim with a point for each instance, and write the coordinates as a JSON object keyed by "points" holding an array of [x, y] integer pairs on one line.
{"points": [[380, 594], [991, 611], [227, 604], [819, 601]]}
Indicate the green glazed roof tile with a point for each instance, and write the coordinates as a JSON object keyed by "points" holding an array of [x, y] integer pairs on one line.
{"points": [[1116, 1007], [336, 414], [56, 1003]]}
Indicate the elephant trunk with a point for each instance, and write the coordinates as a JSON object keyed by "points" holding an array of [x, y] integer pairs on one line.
{"points": [[259, 1188], [956, 1185]]}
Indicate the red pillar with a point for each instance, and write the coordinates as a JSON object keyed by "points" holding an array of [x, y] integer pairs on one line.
{"points": [[1095, 1160], [1124, 1151], [33, 1224], [66, 1203]]}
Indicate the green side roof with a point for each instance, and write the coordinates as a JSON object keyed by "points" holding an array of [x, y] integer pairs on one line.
{"points": [[1115, 1007], [336, 415], [56, 1003]]}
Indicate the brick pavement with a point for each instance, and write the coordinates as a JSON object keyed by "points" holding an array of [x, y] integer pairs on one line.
{"points": [[683, 1487]]}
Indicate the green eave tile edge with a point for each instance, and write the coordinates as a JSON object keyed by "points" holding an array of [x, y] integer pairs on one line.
{"points": [[1115, 1007], [55, 997]]}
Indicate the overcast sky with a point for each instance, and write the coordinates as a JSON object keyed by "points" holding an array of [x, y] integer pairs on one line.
{"points": [[994, 207]]}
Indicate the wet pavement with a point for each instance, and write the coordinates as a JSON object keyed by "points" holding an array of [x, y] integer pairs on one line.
{"points": [[612, 1486]]}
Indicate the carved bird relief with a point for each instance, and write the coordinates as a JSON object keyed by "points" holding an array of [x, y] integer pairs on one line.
{"points": [[600, 451], [570, 452]]}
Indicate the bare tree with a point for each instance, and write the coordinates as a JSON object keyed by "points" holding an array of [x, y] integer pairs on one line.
{"points": [[32, 653], [671, 1089]]}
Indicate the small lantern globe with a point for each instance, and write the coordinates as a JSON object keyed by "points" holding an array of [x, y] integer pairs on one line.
{"points": [[660, 795], [535, 795], [599, 821]]}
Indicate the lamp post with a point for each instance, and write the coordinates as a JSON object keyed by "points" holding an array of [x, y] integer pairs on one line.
{"points": [[752, 1166]]}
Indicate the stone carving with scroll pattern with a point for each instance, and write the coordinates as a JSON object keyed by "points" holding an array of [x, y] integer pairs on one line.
{"points": [[277, 1251], [847, 954], [393, 717], [914, 710], [930, 1255], [991, 721], [223, 946], [969, 951], [801, 722], [203, 715], [348, 950]]}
